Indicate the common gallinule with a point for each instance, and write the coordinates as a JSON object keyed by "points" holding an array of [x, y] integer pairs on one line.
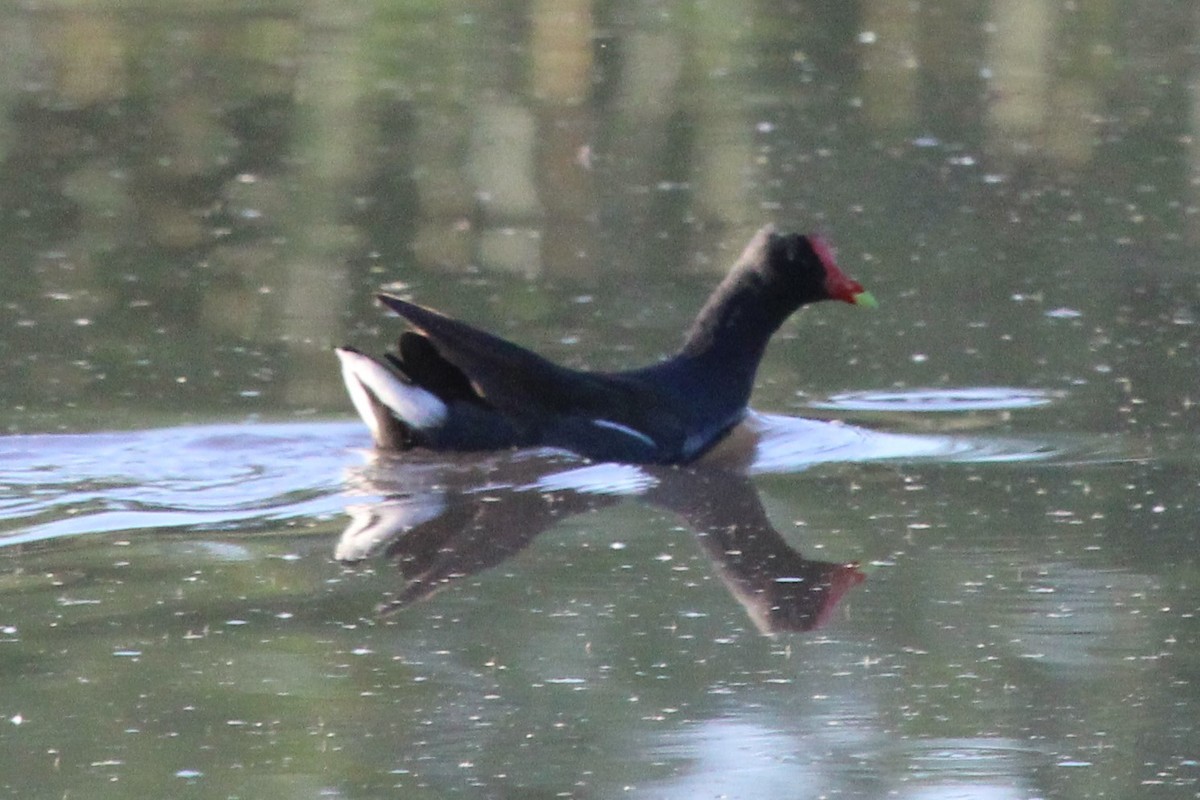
{"points": [[450, 386]]}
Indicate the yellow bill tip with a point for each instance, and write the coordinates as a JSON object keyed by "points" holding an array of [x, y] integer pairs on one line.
{"points": [[866, 300]]}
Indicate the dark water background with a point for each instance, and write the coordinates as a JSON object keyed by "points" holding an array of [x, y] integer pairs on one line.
{"points": [[974, 575]]}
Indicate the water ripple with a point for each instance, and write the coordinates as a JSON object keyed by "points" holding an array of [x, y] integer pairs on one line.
{"points": [[955, 400], [231, 475], [56, 485]]}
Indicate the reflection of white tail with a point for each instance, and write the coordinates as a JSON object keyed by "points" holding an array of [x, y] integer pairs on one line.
{"points": [[374, 525]]}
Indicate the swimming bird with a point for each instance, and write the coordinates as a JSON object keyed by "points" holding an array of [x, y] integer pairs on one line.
{"points": [[451, 386]]}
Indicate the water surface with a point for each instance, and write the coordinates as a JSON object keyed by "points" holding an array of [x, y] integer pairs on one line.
{"points": [[955, 559]]}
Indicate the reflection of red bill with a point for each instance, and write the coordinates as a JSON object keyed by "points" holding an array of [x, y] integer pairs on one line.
{"points": [[842, 578]]}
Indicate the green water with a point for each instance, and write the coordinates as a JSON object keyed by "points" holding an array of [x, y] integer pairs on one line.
{"points": [[980, 559]]}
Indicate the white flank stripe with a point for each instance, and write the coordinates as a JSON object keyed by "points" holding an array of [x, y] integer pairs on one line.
{"points": [[414, 405], [625, 429]]}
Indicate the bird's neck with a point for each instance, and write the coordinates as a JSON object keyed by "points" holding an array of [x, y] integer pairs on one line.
{"points": [[730, 334], [739, 318]]}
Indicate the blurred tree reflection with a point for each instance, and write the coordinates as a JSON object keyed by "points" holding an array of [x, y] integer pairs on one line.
{"points": [[196, 202]]}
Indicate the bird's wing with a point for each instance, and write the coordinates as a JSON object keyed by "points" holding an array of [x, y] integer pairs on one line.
{"points": [[509, 377]]}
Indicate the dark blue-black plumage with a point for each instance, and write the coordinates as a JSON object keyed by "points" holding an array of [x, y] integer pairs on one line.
{"points": [[451, 386]]}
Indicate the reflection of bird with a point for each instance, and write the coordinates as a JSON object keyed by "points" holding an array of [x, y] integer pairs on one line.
{"points": [[454, 387], [441, 526], [780, 588]]}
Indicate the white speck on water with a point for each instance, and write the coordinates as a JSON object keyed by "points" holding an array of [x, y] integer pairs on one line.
{"points": [[617, 546], [189, 774], [868, 37], [127, 653], [16, 719], [1064, 313]]}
